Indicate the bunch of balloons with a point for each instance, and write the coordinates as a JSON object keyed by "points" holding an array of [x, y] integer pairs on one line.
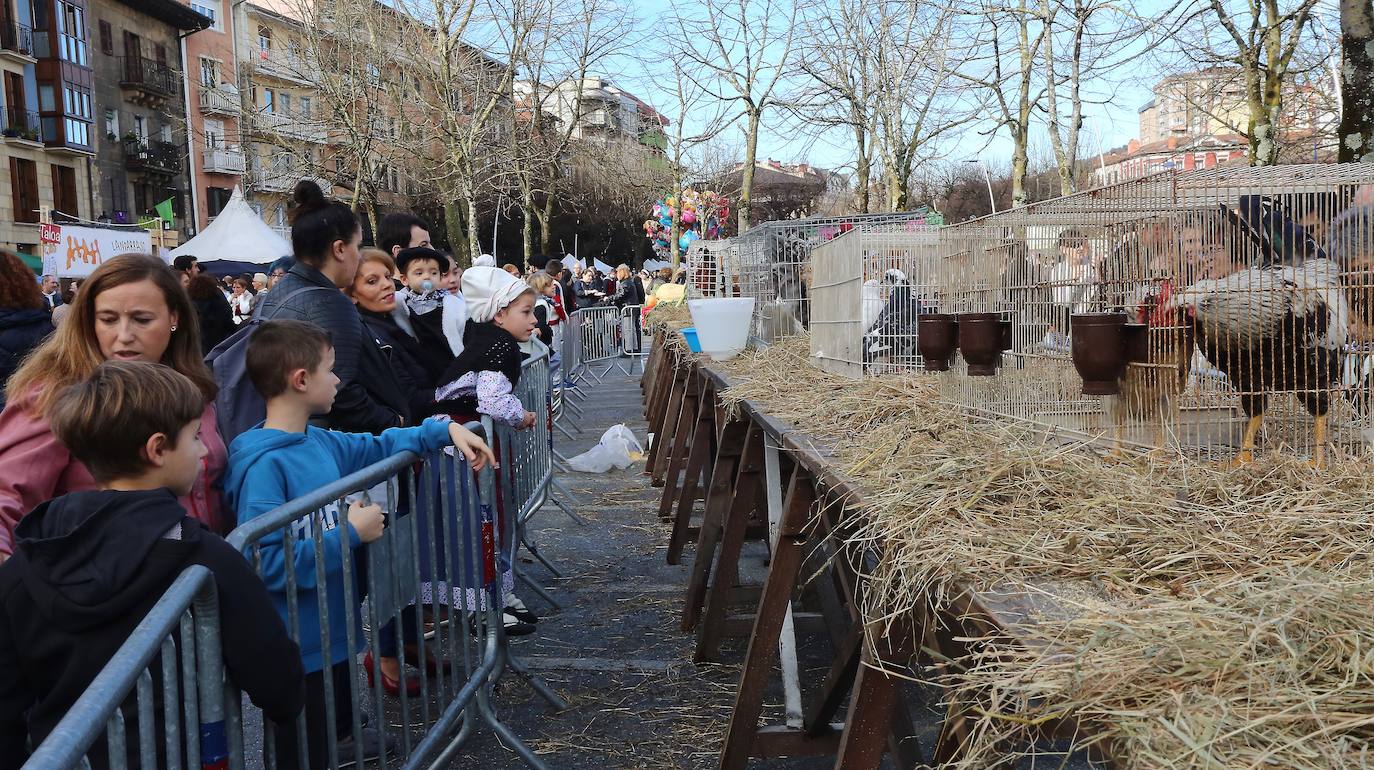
{"points": [[699, 215]]}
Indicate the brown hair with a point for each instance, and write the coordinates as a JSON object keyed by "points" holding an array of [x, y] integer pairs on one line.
{"points": [[18, 289], [72, 353], [369, 255], [105, 420], [203, 286], [278, 348]]}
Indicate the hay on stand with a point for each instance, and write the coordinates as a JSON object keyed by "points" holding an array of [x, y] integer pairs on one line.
{"points": [[1199, 617]]}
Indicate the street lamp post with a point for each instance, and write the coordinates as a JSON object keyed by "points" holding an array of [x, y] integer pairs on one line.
{"points": [[987, 178]]}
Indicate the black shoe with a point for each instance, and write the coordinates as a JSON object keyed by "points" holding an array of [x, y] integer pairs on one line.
{"points": [[373, 741], [517, 608], [515, 626]]}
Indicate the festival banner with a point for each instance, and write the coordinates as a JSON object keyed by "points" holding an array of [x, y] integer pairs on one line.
{"points": [[70, 251]]}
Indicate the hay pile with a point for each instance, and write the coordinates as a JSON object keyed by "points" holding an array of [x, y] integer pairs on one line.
{"points": [[1197, 617]]}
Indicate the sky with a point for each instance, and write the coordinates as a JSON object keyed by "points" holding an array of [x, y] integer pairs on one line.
{"points": [[1112, 123]]}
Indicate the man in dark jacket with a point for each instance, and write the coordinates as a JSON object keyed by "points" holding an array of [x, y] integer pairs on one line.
{"points": [[88, 566], [355, 409]]}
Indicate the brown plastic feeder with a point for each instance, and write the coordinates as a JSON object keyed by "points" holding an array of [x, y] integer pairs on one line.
{"points": [[980, 342], [1137, 340], [1098, 343], [937, 337]]}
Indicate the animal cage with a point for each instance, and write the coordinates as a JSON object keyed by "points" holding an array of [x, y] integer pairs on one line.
{"points": [[1208, 310], [774, 266], [868, 287]]}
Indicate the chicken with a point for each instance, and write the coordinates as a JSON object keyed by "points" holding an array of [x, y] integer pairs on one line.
{"points": [[1150, 389], [1273, 328]]}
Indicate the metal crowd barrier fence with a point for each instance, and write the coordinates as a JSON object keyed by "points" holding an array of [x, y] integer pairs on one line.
{"points": [[433, 592]]}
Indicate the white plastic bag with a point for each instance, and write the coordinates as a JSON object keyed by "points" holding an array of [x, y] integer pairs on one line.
{"points": [[618, 448]]}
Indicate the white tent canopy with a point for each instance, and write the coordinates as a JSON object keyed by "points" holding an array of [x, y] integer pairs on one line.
{"points": [[237, 234]]}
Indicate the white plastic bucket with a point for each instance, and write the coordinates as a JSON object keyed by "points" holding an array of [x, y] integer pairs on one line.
{"points": [[722, 325]]}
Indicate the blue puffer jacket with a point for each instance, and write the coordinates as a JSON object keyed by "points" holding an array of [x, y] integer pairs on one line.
{"points": [[20, 332]]}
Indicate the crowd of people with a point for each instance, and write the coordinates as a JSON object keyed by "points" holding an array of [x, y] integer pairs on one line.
{"points": [[116, 471]]}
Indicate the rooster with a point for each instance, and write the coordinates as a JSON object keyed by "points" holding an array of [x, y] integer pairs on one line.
{"points": [[1276, 326]]}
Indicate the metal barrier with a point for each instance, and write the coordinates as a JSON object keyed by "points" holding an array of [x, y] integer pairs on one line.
{"points": [[434, 572], [182, 632]]}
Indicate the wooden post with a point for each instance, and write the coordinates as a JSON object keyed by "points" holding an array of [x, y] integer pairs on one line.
{"points": [[743, 502], [669, 413], [697, 458], [736, 438], [763, 644], [677, 450]]}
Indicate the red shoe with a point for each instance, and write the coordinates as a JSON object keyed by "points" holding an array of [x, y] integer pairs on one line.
{"points": [[389, 686]]}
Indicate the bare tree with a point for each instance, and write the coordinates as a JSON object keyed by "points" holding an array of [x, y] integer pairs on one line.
{"points": [[1259, 38], [1356, 132], [741, 51]]}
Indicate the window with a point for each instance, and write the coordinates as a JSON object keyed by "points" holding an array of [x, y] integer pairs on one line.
{"points": [[284, 103], [160, 53], [214, 133], [209, 72], [164, 133], [264, 39], [47, 98], [111, 124], [24, 187], [141, 128], [269, 100], [71, 28], [210, 12], [64, 189], [106, 38], [217, 198], [305, 107]]}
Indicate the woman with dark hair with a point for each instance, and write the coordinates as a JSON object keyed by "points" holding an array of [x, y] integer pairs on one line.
{"points": [[216, 319], [132, 308], [24, 319], [325, 235]]}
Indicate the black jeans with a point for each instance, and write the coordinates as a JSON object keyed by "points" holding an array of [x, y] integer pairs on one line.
{"points": [[316, 720]]}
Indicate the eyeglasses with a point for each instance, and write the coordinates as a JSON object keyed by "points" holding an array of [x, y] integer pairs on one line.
{"points": [[278, 273]]}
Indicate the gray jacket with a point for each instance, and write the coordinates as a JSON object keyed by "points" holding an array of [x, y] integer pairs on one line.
{"points": [[355, 409]]}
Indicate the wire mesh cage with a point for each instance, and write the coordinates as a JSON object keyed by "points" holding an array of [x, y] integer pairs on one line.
{"points": [[1208, 311], [868, 287], [774, 265]]}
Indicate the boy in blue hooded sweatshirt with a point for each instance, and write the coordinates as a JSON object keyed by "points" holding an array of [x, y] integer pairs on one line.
{"points": [[291, 365]]}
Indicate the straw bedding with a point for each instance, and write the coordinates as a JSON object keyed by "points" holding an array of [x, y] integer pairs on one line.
{"points": [[1198, 617]]}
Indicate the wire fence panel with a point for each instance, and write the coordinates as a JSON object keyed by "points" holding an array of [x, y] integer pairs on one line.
{"points": [[1214, 311]]}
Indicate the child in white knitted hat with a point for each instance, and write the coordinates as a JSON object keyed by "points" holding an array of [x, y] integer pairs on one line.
{"points": [[482, 379]]}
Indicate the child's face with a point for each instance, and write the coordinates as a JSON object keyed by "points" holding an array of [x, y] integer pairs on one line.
{"points": [[322, 384], [420, 271], [182, 464], [518, 317]]}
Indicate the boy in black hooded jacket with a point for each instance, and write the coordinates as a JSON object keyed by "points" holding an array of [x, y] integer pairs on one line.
{"points": [[88, 566]]}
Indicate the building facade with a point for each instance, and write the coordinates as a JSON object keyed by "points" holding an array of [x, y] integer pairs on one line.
{"points": [[606, 113], [217, 158], [142, 148], [46, 138]]}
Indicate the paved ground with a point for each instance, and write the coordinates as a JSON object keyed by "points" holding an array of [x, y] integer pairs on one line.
{"points": [[615, 650]]}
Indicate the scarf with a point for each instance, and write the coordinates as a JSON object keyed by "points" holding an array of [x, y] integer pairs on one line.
{"points": [[419, 304], [486, 348]]}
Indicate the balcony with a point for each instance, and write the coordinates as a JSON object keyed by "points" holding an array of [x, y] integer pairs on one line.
{"points": [[152, 157], [290, 124], [281, 177], [22, 126], [219, 101], [16, 42], [283, 64], [223, 160], [151, 83]]}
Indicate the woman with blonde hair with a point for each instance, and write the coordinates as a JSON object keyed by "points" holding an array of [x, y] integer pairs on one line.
{"points": [[132, 308]]}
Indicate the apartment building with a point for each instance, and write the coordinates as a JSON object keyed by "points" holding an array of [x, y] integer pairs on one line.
{"points": [[46, 137], [605, 113], [142, 147], [216, 158], [1212, 102]]}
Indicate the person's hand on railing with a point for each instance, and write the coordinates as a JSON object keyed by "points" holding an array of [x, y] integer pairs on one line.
{"points": [[366, 520], [528, 422], [473, 448]]}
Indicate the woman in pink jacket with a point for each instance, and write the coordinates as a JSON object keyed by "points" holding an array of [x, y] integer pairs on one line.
{"points": [[132, 308]]}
